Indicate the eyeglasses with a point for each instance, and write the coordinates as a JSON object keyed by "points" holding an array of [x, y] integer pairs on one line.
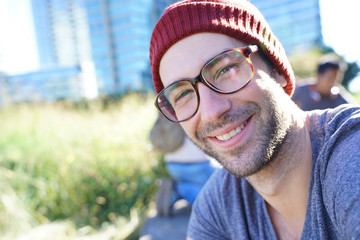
{"points": [[226, 73]]}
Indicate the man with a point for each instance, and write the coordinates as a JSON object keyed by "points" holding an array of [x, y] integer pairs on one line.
{"points": [[288, 174], [326, 91]]}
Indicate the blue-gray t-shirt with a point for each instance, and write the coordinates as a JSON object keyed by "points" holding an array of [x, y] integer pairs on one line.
{"points": [[309, 99], [229, 207]]}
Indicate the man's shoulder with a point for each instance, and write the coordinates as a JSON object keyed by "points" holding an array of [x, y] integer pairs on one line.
{"points": [[334, 116], [335, 176], [345, 111], [335, 134]]}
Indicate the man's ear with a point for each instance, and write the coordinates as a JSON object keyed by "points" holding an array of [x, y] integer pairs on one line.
{"points": [[279, 78]]}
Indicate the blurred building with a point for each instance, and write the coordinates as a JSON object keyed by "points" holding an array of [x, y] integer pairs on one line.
{"points": [[113, 36], [159, 7], [120, 34], [297, 24], [51, 84], [62, 32], [64, 52]]}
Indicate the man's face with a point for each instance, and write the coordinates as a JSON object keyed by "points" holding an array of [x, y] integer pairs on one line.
{"points": [[327, 80], [243, 130]]}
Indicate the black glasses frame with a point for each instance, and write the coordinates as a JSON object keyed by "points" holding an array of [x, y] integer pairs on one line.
{"points": [[246, 51]]}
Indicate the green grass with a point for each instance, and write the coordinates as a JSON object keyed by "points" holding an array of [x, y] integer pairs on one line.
{"points": [[89, 164]]}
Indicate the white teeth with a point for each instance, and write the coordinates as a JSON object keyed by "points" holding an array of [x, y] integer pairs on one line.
{"points": [[232, 133]]}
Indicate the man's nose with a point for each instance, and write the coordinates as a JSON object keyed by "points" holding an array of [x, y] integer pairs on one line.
{"points": [[212, 104]]}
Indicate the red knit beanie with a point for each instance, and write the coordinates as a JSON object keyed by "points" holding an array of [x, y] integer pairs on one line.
{"points": [[236, 18]]}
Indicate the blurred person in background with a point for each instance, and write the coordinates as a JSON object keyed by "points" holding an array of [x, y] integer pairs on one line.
{"points": [[223, 75], [326, 91], [189, 167]]}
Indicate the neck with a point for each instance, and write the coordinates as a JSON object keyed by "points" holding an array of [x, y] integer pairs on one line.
{"points": [[284, 183]]}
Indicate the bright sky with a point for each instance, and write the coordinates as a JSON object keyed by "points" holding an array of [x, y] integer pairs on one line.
{"points": [[340, 26], [18, 51], [340, 20]]}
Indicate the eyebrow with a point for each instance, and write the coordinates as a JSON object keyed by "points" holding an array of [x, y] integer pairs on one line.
{"points": [[175, 84], [218, 59], [172, 86], [209, 63]]}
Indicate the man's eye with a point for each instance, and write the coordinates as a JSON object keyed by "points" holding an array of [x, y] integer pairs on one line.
{"points": [[224, 70], [182, 95]]}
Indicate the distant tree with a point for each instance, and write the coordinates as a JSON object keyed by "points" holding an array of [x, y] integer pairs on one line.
{"points": [[351, 72]]}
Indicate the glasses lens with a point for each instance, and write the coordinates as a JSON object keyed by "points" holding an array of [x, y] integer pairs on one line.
{"points": [[228, 72], [178, 101]]}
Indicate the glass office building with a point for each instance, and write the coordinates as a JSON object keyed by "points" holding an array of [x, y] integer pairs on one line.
{"points": [[61, 32], [64, 53], [115, 35], [296, 23], [120, 34], [72, 83], [159, 7]]}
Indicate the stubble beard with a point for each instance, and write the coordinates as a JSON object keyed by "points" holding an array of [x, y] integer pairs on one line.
{"points": [[251, 157]]}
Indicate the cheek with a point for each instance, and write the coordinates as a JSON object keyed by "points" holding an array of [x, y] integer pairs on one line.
{"points": [[261, 80], [190, 126], [265, 82]]}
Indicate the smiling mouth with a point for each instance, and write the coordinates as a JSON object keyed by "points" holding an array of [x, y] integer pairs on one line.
{"points": [[232, 133]]}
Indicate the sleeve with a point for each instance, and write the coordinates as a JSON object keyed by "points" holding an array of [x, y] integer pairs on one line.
{"points": [[342, 179], [206, 221]]}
